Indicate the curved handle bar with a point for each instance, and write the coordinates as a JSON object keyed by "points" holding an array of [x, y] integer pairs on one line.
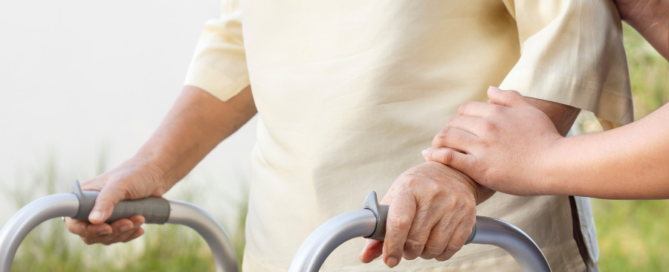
{"points": [[156, 210], [370, 223]]}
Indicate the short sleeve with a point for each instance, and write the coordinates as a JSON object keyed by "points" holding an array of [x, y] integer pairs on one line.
{"points": [[572, 53], [219, 64]]}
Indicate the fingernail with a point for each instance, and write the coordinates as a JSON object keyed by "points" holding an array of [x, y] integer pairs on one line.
{"points": [[392, 262], [104, 232], [424, 153], [494, 88], [125, 228], [96, 215]]}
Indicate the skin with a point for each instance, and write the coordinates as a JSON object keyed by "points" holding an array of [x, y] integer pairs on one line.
{"points": [[433, 207], [510, 145], [196, 123]]}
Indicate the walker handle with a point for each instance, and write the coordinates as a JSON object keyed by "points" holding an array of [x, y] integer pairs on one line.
{"points": [[78, 204], [156, 210], [370, 222]]}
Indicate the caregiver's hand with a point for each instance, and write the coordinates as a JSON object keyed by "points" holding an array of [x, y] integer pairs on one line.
{"points": [[500, 144], [131, 180], [432, 212]]}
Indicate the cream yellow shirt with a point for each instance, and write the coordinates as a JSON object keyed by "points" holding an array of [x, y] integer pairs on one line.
{"points": [[349, 92]]}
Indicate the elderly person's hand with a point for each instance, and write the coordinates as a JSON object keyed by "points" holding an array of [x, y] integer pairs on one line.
{"points": [[432, 212], [504, 145], [131, 180]]}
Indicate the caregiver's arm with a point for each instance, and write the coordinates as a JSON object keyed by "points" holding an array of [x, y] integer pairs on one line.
{"points": [[512, 147], [433, 206], [197, 122]]}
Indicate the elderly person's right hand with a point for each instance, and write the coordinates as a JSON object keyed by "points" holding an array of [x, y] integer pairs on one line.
{"points": [[131, 180]]}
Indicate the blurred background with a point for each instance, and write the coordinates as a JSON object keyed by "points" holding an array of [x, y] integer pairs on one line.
{"points": [[84, 83]]}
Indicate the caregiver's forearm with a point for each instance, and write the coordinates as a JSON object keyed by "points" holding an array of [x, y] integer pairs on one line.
{"points": [[630, 162], [196, 123]]}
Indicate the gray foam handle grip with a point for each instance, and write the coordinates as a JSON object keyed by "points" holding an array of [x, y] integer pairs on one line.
{"points": [[155, 210], [381, 212]]}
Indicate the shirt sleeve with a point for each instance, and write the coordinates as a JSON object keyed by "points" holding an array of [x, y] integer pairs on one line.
{"points": [[572, 53], [219, 64]]}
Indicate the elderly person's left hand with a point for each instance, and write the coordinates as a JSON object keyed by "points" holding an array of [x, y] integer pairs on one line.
{"points": [[432, 212]]}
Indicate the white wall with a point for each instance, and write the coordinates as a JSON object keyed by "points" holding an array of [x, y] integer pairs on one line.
{"points": [[76, 76]]}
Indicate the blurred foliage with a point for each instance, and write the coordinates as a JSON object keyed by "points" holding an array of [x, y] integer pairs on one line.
{"points": [[50, 247], [633, 234], [648, 74]]}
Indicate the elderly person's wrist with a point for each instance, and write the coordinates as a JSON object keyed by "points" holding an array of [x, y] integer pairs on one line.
{"points": [[156, 168], [479, 192]]}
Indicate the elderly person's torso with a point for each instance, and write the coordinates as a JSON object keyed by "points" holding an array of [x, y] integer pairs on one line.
{"points": [[350, 92]]}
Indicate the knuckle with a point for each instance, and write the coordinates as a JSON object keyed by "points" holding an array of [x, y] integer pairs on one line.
{"points": [[447, 156], [430, 252], [413, 246], [400, 222], [463, 107], [489, 126], [453, 247]]}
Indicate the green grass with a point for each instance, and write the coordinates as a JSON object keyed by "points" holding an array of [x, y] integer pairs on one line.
{"points": [[50, 247], [633, 235]]}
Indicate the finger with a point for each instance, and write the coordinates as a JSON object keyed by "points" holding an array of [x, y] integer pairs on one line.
{"points": [[438, 240], [372, 250], [457, 240], [476, 126], [506, 98], [455, 137], [121, 227], [419, 233], [137, 221], [463, 162], [479, 109], [126, 232], [109, 196], [400, 215], [125, 236], [135, 235], [85, 229]]}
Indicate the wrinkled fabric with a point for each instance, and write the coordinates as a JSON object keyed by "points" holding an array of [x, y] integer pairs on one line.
{"points": [[350, 92]]}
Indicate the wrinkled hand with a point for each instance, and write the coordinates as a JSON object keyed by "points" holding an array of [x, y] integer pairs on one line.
{"points": [[131, 180], [502, 145], [432, 212]]}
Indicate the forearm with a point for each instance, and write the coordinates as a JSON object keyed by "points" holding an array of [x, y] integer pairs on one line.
{"points": [[195, 124], [563, 116], [630, 162], [651, 19]]}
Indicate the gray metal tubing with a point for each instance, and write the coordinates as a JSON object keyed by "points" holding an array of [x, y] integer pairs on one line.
{"points": [[362, 223], [187, 214], [496, 232], [320, 243], [53, 206], [29, 217]]}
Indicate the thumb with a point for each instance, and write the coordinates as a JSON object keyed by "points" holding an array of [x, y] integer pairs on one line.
{"points": [[104, 205], [506, 98]]}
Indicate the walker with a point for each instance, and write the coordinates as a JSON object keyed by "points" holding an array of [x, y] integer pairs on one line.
{"points": [[368, 222]]}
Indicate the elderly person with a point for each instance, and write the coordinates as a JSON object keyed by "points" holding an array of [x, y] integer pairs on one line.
{"points": [[349, 93], [603, 165]]}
